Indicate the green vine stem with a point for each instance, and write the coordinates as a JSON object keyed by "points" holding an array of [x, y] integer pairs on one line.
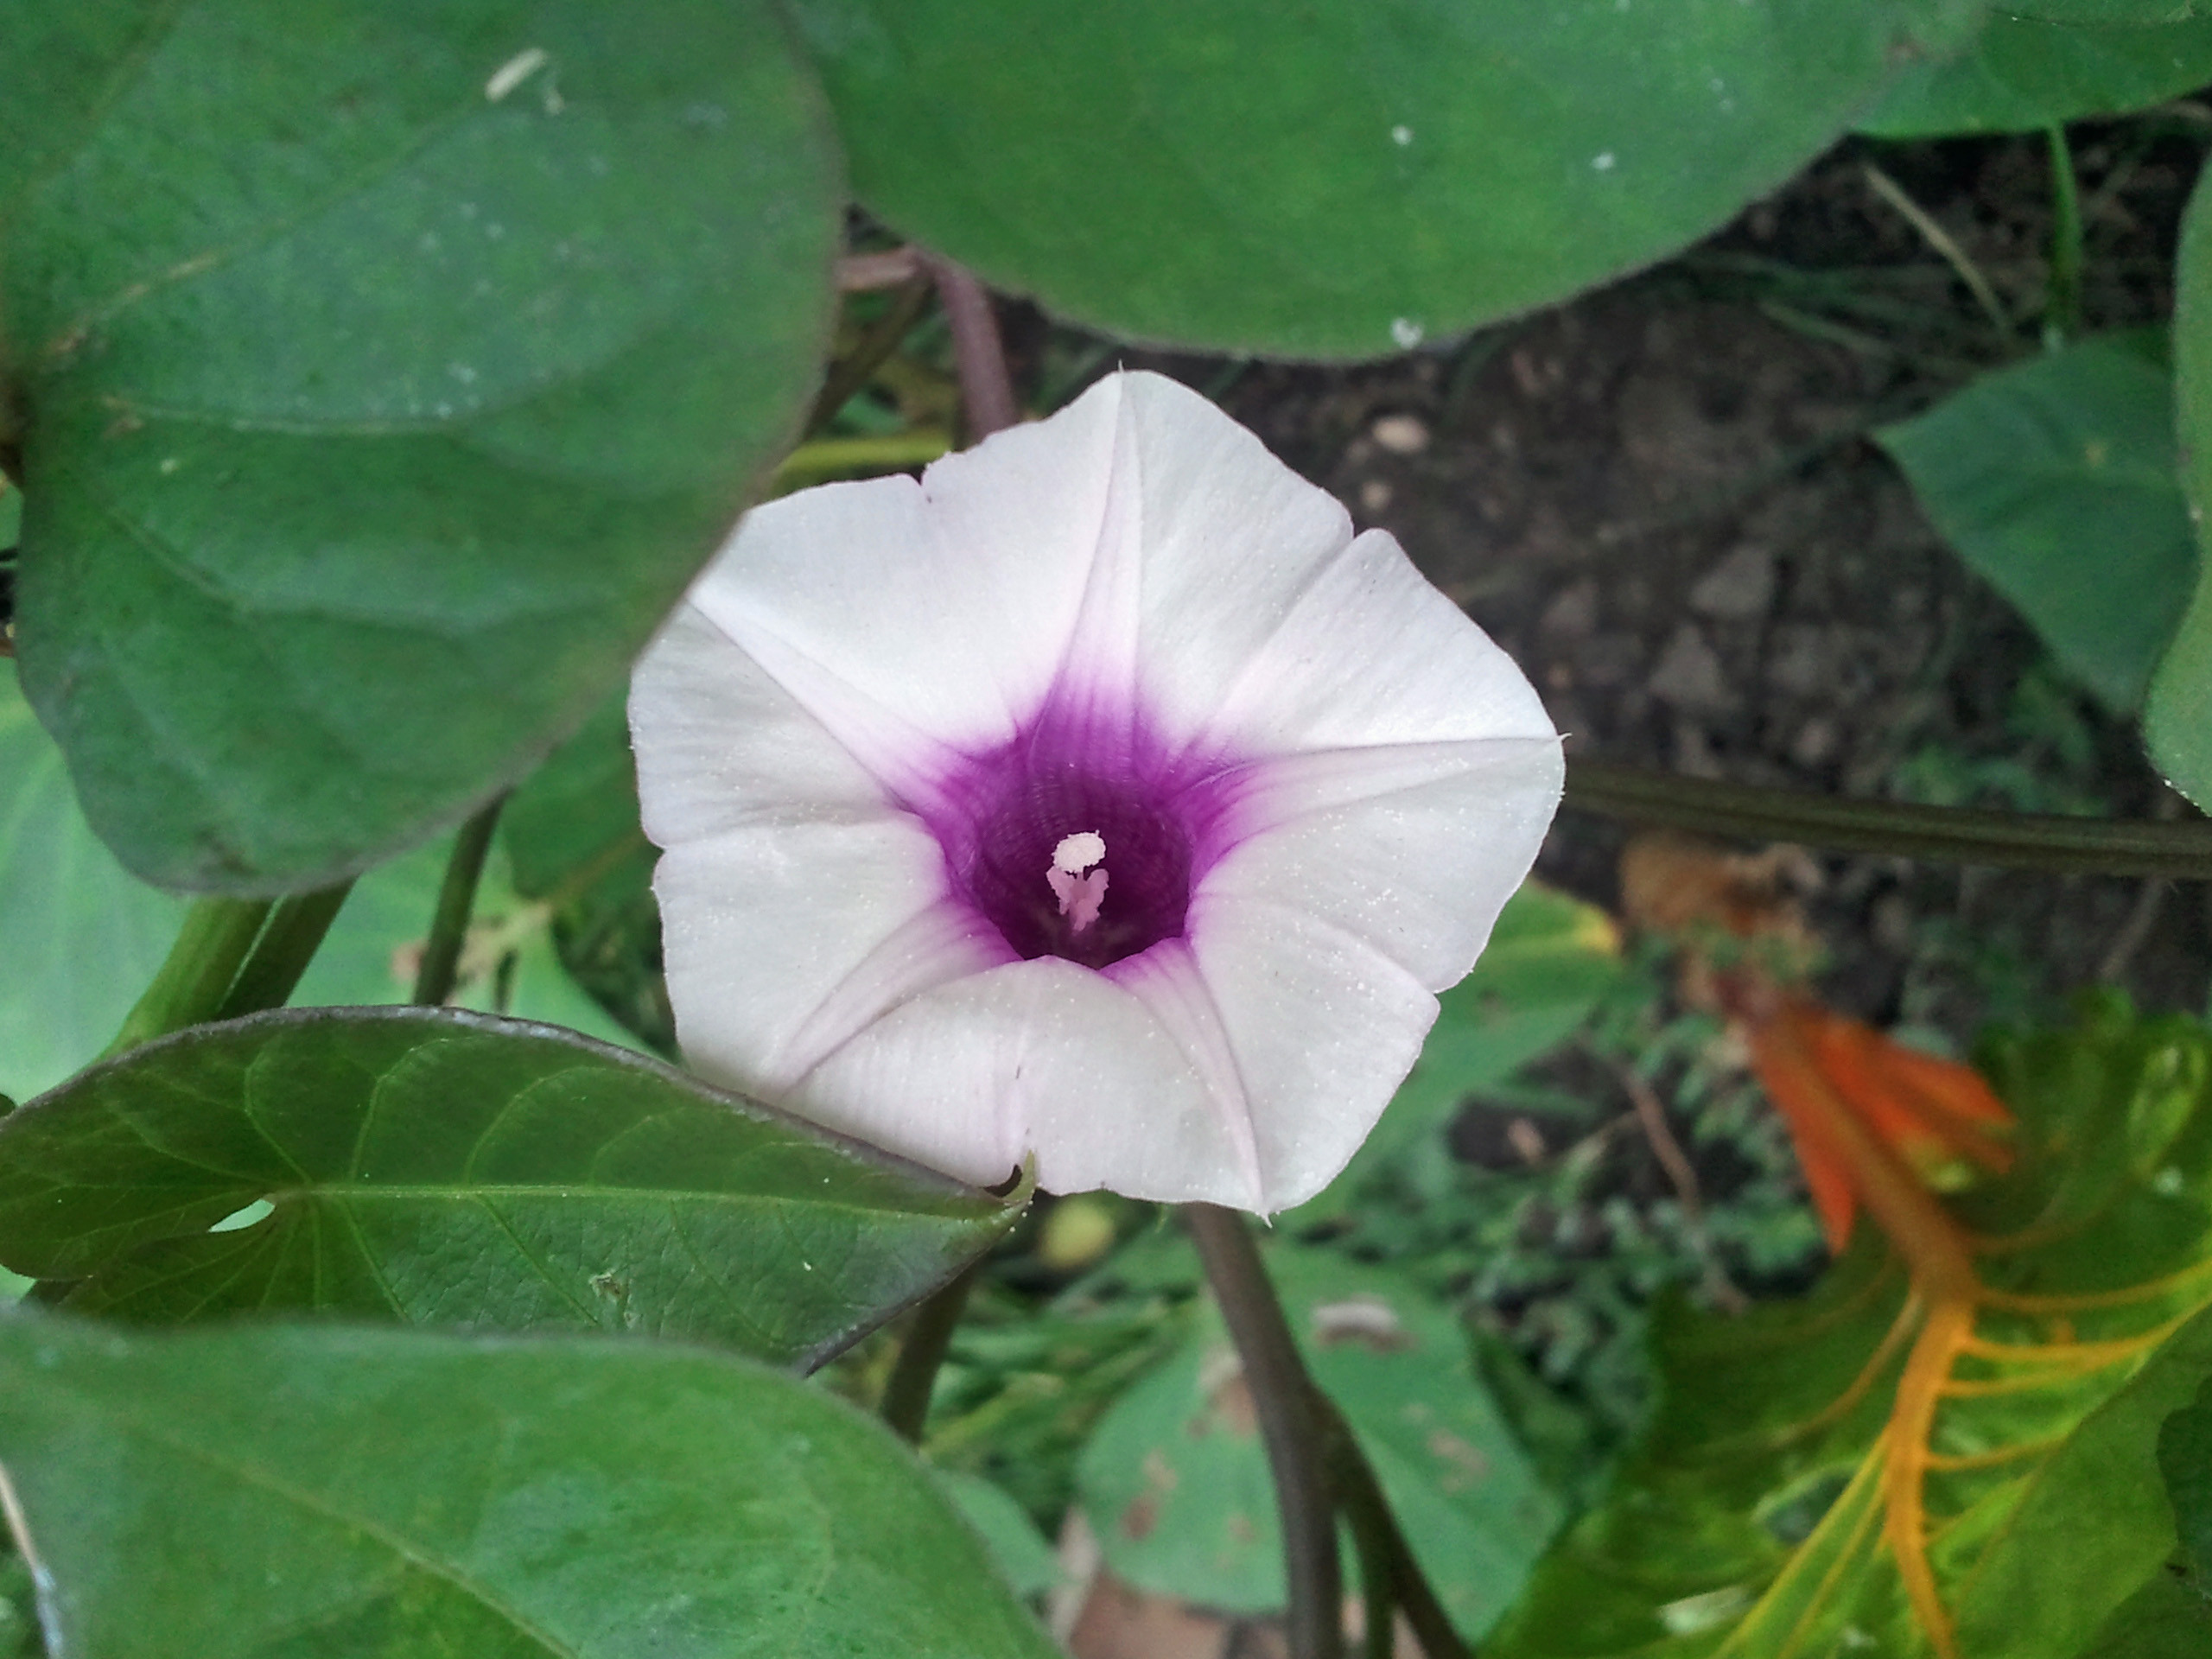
{"points": [[287, 946], [1945, 834], [873, 350], [2062, 311], [434, 978], [913, 1374], [195, 978], [1284, 1400], [1384, 1552]]}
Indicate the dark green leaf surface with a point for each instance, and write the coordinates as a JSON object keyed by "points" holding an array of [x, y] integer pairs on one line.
{"points": [[2057, 480], [435, 1167], [386, 370], [1176, 1485], [2107, 11], [80, 936], [1342, 178], [2165, 1619], [298, 1491], [2022, 76], [2186, 1464], [2177, 715], [1023, 1556]]}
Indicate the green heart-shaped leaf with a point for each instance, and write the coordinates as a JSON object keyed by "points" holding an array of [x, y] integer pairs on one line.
{"points": [[1344, 178], [380, 374], [433, 1166], [295, 1491]]}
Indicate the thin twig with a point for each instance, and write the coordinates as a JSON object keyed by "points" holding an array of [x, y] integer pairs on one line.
{"points": [[1940, 240], [1376, 1533], [1942, 833], [986, 389], [1651, 1117], [1284, 1399], [854, 369], [434, 978], [913, 1375], [861, 273]]}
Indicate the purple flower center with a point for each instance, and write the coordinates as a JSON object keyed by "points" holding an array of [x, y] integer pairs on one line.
{"points": [[1072, 849]]}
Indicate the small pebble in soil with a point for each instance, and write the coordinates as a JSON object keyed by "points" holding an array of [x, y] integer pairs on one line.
{"points": [[1401, 435], [1689, 674], [1738, 588]]}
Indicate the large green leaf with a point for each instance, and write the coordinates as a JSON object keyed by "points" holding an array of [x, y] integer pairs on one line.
{"points": [[431, 1165], [80, 936], [1342, 178], [1764, 1513], [2057, 480], [2164, 1619], [383, 371], [2107, 11], [2021, 76], [284, 1492], [2177, 715], [1176, 1484]]}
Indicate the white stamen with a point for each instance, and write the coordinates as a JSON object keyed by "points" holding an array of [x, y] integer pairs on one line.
{"points": [[1077, 854], [1080, 895]]}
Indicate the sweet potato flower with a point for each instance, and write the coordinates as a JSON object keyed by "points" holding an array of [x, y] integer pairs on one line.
{"points": [[1098, 797]]}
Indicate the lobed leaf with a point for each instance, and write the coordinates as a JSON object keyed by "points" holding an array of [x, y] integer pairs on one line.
{"points": [[436, 1167], [299, 1490]]}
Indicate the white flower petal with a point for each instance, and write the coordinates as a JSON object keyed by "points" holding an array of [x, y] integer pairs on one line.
{"points": [[781, 939], [721, 745], [1324, 1027], [1206, 545], [1039, 1057], [918, 618], [1371, 653], [1413, 848]]}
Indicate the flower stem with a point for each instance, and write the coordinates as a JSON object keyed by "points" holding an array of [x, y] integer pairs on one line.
{"points": [[1944, 834], [2063, 312], [986, 389], [287, 946], [913, 1375], [456, 898], [1287, 1404], [217, 937], [1384, 1552]]}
